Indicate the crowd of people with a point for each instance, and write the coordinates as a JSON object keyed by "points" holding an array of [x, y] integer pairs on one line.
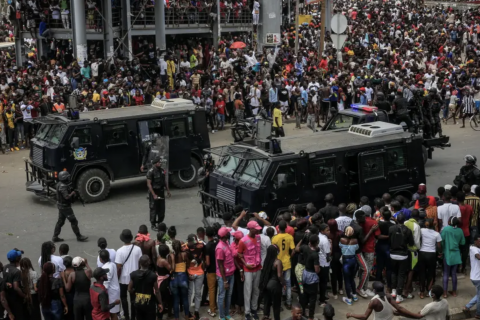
{"points": [[248, 266]]}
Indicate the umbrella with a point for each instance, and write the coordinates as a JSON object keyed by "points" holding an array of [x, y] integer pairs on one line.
{"points": [[238, 45]]}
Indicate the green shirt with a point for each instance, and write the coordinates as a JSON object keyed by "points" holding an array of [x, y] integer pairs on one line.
{"points": [[452, 239], [193, 61]]}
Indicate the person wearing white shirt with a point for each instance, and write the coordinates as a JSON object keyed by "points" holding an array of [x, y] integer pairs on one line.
{"points": [[127, 259], [255, 98], [256, 12], [427, 257], [111, 284], [475, 273], [48, 249], [447, 210], [163, 69], [102, 244], [94, 68], [324, 258]]}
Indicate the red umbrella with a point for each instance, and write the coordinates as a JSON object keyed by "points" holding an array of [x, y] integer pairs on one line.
{"points": [[238, 45]]}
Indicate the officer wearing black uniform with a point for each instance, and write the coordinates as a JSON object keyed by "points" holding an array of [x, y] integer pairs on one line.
{"points": [[400, 108], [435, 105], [65, 197], [157, 183], [204, 172], [469, 173], [150, 152]]}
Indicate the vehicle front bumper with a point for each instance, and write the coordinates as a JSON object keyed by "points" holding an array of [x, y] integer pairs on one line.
{"points": [[40, 181]]}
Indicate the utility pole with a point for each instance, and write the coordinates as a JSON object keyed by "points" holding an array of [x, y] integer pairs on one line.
{"points": [[297, 12], [322, 29]]}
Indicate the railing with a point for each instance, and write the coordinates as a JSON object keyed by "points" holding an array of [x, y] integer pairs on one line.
{"points": [[190, 16]]}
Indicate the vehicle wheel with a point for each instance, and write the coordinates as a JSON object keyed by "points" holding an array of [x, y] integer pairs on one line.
{"points": [[425, 155], [186, 178], [93, 185]]}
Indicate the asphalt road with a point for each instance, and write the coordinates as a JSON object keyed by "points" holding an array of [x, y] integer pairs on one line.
{"points": [[27, 221]]}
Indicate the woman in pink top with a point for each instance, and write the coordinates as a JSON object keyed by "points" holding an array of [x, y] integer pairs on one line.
{"points": [[237, 297], [225, 271]]}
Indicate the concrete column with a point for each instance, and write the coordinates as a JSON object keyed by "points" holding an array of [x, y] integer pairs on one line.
{"points": [[108, 28], [79, 31], [127, 22], [160, 41], [217, 28], [18, 49], [328, 21]]}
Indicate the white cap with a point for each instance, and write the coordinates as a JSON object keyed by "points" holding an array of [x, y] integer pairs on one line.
{"points": [[472, 189], [77, 261], [448, 187]]}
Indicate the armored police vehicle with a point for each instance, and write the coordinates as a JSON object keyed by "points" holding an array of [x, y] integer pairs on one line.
{"points": [[269, 175], [359, 114], [100, 147]]}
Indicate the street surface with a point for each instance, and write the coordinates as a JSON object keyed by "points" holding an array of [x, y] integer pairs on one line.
{"points": [[27, 221]]}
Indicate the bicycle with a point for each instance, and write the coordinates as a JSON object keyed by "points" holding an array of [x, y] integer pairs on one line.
{"points": [[474, 121]]}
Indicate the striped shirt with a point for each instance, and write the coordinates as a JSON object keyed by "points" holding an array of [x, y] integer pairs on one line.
{"points": [[468, 105], [474, 201]]}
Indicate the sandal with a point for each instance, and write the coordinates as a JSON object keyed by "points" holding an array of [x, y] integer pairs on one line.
{"points": [[453, 293], [421, 295]]}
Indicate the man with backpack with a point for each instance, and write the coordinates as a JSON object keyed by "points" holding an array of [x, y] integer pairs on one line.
{"points": [[400, 238]]}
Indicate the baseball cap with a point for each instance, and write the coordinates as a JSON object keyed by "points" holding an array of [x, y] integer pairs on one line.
{"points": [[448, 186], [77, 261], [13, 254], [238, 235], [253, 225], [223, 231], [472, 189], [98, 272]]}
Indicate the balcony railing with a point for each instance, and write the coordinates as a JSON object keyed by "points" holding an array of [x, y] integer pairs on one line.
{"points": [[192, 17]]}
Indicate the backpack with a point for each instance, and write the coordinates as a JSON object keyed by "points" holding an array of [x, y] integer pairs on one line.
{"points": [[397, 240]]}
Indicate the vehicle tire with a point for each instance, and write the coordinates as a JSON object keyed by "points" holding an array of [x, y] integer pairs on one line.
{"points": [[425, 155], [93, 185], [186, 178]]}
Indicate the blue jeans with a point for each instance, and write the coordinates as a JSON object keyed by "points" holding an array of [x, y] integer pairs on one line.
{"points": [[446, 109], [224, 297], [288, 282], [221, 121], [475, 299], [55, 312], [179, 287], [349, 269]]}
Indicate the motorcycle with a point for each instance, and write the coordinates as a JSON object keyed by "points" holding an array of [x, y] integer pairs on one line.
{"points": [[245, 128]]}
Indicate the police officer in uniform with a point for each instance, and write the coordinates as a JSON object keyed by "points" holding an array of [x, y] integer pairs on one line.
{"points": [[157, 183], [65, 197], [150, 152], [400, 108], [436, 106], [469, 173], [204, 172]]}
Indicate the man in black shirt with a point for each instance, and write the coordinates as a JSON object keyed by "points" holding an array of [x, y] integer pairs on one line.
{"points": [[3, 299], [330, 211], [13, 285], [308, 257], [211, 269], [381, 104], [400, 107], [143, 284], [400, 237]]}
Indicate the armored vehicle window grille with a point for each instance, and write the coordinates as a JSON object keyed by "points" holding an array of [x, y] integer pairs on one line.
{"points": [[372, 166], [397, 159], [290, 174], [177, 128], [225, 194], [84, 136], [37, 155], [323, 171], [115, 134]]}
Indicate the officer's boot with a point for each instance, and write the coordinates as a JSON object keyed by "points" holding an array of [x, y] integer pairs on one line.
{"points": [[76, 230]]}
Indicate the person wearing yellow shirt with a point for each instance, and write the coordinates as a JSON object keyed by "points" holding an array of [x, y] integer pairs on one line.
{"points": [[170, 70], [96, 97], [286, 245], [277, 121], [3, 136]]}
